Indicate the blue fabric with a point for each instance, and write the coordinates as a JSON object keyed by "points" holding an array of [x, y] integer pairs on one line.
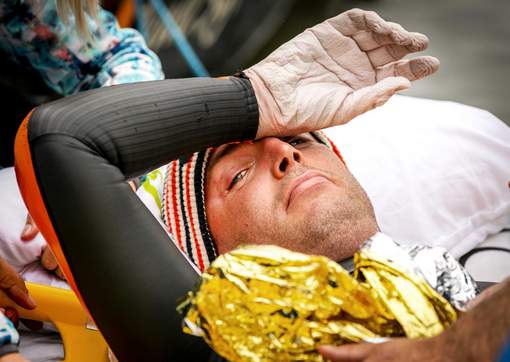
{"points": [[8, 334], [505, 356], [33, 35]]}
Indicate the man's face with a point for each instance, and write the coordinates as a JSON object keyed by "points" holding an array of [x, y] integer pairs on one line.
{"points": [[293, 192]]}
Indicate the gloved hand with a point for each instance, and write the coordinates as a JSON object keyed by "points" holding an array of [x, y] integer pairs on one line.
{"points": [[334, 71]]}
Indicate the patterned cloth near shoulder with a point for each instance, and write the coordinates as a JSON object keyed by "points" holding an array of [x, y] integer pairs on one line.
{"points": [[33, 35]]}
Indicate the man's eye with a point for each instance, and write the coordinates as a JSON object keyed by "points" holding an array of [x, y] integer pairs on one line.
{"points": [[295, 141], [238, 177]]}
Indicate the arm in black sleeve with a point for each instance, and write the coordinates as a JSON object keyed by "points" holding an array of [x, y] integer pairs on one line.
{"points": [[129, 274]]}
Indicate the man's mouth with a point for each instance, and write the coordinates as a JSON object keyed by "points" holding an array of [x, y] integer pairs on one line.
{"points": [[303, 183]]}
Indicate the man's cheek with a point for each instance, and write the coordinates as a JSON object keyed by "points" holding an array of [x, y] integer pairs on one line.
{"points": [[215, 217], [250, 219]]}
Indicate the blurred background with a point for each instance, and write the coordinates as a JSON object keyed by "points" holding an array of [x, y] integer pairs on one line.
{"points": [[470, 37]]}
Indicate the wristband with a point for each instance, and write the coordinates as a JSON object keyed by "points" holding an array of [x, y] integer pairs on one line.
{"points": [[241, 75]]}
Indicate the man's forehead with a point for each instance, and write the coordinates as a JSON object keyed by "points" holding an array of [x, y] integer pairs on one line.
{"points": [[224, 150]]}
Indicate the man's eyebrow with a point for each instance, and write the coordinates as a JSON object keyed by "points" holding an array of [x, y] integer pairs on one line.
{"points": [[229, 148]]}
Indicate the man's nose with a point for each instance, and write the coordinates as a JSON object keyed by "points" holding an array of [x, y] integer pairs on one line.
{"points": [[281, 155]]}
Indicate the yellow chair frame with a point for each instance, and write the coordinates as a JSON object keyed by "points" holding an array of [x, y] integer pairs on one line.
{"points": [[80, 337]]}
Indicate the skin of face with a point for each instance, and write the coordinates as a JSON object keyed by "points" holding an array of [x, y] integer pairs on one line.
{"points": [[292, 192]]}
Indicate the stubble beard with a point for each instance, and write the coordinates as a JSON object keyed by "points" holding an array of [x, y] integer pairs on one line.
{"points": [[336, 227]]}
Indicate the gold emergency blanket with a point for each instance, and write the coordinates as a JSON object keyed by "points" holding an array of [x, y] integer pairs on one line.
{"points": [[265, 303]]}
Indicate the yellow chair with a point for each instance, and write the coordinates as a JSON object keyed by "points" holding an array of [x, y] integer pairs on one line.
{"points": [[80, 337]]}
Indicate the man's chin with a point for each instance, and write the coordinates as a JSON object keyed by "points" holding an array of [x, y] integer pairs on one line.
{"points": [[325, 224]]}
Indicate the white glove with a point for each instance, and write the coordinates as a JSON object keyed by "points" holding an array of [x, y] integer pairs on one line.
{"points": [[333, 72]]}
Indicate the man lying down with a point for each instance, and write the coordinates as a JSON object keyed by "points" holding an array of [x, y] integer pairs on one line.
{"points": [[295, 192], [292, 191]]}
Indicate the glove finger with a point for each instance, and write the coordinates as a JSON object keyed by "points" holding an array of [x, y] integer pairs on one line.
{"points": [[370, 31], [369, 40], [412, 40], [367, 98], [411, 69], [387, 54], [355, 20]]}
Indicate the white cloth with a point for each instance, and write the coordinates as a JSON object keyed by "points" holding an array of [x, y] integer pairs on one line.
{"points": [[436, 172], [23, 256]]}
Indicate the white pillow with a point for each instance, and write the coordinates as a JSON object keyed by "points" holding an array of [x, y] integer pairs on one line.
{"points": [[23, 256], [437, 172]]}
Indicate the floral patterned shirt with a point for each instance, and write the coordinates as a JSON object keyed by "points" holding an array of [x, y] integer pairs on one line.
{"points": [[33, 35]]}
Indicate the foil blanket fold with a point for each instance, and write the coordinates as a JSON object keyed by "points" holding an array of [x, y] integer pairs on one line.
{"points": [[265, 303]]}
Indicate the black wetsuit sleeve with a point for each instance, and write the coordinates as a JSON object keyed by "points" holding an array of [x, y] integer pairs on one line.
{"points": [[129, 273]]}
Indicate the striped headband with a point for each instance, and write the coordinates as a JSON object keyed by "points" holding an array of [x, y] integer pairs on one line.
{"points": [[183, 204]]}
